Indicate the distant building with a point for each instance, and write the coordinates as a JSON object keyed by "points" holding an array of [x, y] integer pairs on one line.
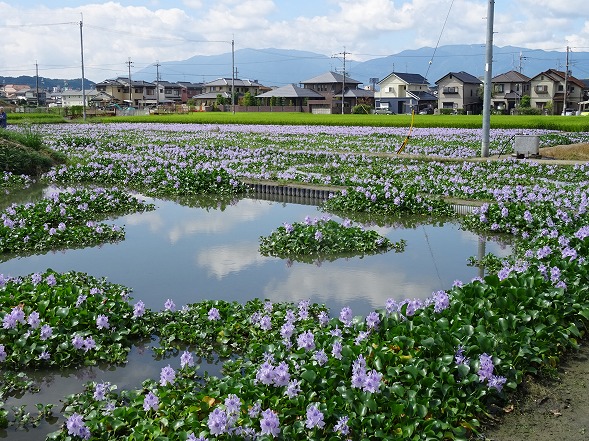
{"points": [[460, 91], [548, 87], [404, 92], [508, 89], [337, 90]]}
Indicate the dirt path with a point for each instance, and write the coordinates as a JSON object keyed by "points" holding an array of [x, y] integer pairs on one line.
{"points": [[555, 410]]}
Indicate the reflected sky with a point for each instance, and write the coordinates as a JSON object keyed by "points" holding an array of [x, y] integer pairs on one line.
{"points": [[190, 254]]}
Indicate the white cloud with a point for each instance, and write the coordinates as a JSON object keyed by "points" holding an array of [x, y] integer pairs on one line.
{"points": [[224, 260], [166, 31]]}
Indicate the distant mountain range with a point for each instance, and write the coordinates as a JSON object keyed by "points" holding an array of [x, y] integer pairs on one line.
{"points": [[278, 67]]}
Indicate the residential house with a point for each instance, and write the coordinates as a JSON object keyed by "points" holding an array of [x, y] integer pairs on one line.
{"points": [[71, 98], [190, 90], [460, 91], [130, 93], [336, 89], [222, 87], [293, 97], [404, 93], [548, 90], [508, 88], [169, 93]]}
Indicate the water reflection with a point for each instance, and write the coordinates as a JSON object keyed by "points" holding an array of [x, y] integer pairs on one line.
{"points": [[190, 250]]}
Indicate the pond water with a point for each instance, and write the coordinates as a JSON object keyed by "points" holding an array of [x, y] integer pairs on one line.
{"points": [[190, 254]]}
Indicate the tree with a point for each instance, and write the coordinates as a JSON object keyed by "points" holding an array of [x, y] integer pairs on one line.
{"points": [[221, 100], [248, 99], [273, 100], [525, 101]]}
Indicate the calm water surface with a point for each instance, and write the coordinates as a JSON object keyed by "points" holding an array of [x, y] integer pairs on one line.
{"points": [[190, 254]]}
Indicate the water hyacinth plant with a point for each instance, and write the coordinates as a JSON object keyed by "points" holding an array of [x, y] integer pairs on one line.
{"points": [[65, 219], [409, 370], [325, 239]]}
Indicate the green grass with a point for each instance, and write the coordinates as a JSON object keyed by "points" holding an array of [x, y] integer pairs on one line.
{"points": [[563, 123], [34, 118]]}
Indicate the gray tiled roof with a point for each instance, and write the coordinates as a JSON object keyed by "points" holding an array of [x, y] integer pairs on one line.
{"points": [[409, 78], [464, 77], [330, 77], [512, 76], [291, 91]]}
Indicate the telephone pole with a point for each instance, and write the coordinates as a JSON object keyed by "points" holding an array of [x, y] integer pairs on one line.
{"points": [[37, 81], [344, 53], [488, 79], [566, 85], [157, 84], [129, 64], [83, 89]]}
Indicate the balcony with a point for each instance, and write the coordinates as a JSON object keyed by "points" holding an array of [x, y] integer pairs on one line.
{"points": [[450, 90]]}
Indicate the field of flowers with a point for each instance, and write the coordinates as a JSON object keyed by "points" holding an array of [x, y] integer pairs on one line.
{"points": [[414, 370]]}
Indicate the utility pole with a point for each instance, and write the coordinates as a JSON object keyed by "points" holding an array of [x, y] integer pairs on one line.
{"points": [[37, 81], [233, 76], [488, 78], [566, 85], [344, 53], [83, 89], [129, 64], [157, 84]]}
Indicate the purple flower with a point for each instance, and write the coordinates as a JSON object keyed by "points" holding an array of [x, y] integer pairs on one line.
{"points": [[306, 340], [372, 381], [186, 359], [293, 389], [391, 306], [233, 404], [321, 357], [170, 305], [36, 278], [269, 423], [217, 422], [167, 375], [192, 437], [214, 314], [336, 350], [342, 425], [2, 353], [51, 280], [77, 342], [138, 309], [102, 322], [281, 376], [372, 320], [288, 227], [100, 391], [287, 330], [266, 323], [34, 320], [150, 402], [496, 382], [265, 373], [441, 301], [75, 426], [314, 418], [323, 318], [46, 332], [89, 343], [345, 316], [485, 371], [81, 299], [459, 357], [255, 410], [318, 236], [44, 355]]}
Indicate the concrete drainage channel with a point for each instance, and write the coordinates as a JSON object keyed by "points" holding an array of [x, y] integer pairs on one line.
{"points": [[312, 195]]}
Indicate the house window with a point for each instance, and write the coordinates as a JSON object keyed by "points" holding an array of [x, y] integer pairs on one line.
{"points": [[450, 90], [560, 87], [138, 90], [448, 105], [541, 88], [390, 89], [498, 88]]}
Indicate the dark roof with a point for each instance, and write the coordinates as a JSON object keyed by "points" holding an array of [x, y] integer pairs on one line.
{"points": [[462, 76], [236, 81], [409, 78], [359, 93], [330, 77], [422, 95], [557, 76], [291, 91], [512, 76]]}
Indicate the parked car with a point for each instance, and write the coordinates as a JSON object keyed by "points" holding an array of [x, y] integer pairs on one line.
{"points": [[569, 112], [383, 111]]}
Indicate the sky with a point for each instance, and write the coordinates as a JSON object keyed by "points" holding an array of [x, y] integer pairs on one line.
{"points": [[45, 36]]}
